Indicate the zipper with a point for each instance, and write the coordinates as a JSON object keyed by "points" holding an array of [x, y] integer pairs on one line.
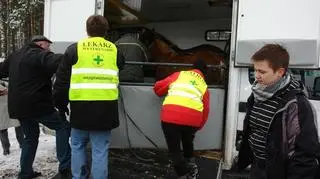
{"points": [[284, 126], [280, 110]]}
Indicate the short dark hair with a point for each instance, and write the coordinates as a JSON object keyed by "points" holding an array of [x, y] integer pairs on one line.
{"points": [[275, 54], [200, 65], [97, 26]]}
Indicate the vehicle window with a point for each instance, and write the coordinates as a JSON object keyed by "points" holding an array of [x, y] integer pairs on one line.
{"points": [[310, 78]]}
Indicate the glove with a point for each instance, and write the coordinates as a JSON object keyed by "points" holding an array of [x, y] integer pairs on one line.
{"points": [[63, 111], [3, 92]]}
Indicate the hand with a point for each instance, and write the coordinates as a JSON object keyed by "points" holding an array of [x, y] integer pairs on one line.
{"points": [[3, 92]]}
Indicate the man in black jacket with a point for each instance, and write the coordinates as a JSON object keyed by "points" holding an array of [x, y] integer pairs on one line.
{"points": [[88, 78], [280, 136], [30, 101]]}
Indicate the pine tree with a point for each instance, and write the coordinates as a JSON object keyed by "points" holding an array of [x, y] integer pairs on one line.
{"points": [[19, 21]]}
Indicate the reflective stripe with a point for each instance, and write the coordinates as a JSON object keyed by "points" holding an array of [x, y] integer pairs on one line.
{"points": [[94, 71], [190, 87], [184, 94], [92, 86]]}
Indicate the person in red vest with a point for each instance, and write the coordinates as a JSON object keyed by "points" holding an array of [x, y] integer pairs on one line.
{"points": [[185, 110]]}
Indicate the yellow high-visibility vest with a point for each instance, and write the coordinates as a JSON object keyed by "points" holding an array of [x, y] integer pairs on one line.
{"points": [[187, 91], [95, 75]]}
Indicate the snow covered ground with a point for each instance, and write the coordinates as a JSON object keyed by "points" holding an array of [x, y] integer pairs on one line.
{"points": [[123, 164], [45, 162]]}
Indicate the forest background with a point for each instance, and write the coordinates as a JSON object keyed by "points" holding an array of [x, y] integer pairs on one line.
{"points": [[19, 21]]}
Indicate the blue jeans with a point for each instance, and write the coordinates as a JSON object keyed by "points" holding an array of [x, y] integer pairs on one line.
{"points": [[100, 146], [30, 128]]}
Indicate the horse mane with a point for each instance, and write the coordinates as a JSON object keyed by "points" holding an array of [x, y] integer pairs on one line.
{"points": [[161, 37], [203, 47]]}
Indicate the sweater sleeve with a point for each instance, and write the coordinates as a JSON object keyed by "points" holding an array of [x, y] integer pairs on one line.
{"points": [[206, 107], [45, 59], [161, 87], [63, 76]]}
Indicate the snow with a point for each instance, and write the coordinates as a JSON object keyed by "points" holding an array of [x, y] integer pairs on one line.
{"points": [[45, 161]]}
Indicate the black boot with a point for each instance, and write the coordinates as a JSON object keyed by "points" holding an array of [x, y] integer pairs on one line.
{"points": [[65, 173], [35, 174], [194, 171], [6, 152]]}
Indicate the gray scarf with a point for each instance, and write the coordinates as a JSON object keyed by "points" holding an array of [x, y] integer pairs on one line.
{"points": [[262, 92]]}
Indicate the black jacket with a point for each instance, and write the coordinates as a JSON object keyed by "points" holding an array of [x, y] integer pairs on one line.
{"points": [[30, 88], [132, 50], [292, 150], [85, 115]]}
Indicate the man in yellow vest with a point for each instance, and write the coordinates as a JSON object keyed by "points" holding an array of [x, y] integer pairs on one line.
{"points": [[88, 79], [185, 110]]}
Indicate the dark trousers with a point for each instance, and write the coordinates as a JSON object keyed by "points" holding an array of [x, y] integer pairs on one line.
{"points": [[174, 135], [31, 131], [258, 170], [5, 138]]}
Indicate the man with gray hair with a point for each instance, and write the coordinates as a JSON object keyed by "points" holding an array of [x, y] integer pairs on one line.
{"points": [[30, 101]]}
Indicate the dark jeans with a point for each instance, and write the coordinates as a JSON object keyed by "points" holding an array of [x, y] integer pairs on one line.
{"points": [[31, 131], [175, 134], [5, 139]]}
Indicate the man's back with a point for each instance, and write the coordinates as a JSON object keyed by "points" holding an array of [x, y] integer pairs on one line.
{"points": [[30, 70], [133, 50]]}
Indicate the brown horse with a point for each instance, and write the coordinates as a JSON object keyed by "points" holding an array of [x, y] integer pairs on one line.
{"points": [[164, 51]]}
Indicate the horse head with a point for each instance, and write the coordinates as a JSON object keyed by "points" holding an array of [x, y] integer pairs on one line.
{"points": [[147, 37], [163, 50]]}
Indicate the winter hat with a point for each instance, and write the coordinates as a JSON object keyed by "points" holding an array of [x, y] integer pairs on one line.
{"points": [[38, 38], [200, 65]]}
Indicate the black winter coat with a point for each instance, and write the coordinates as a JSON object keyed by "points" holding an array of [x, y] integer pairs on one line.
{"points": [[292, 151], [85, 115], [30, 70]]}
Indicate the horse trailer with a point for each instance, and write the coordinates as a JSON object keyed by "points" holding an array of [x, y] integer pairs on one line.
{"points": [[237, 27]]}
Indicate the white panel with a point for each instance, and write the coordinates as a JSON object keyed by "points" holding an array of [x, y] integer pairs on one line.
{"points": [[65, 20], [245, 91], [294, 24], [208, 138], [274, 19]]}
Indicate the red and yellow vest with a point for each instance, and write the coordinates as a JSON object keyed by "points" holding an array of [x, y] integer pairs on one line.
{"points": [[187, 91]]}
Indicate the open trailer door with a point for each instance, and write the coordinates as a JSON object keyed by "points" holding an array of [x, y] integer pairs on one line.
{"points": [[64, 20], [292, 23]]}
